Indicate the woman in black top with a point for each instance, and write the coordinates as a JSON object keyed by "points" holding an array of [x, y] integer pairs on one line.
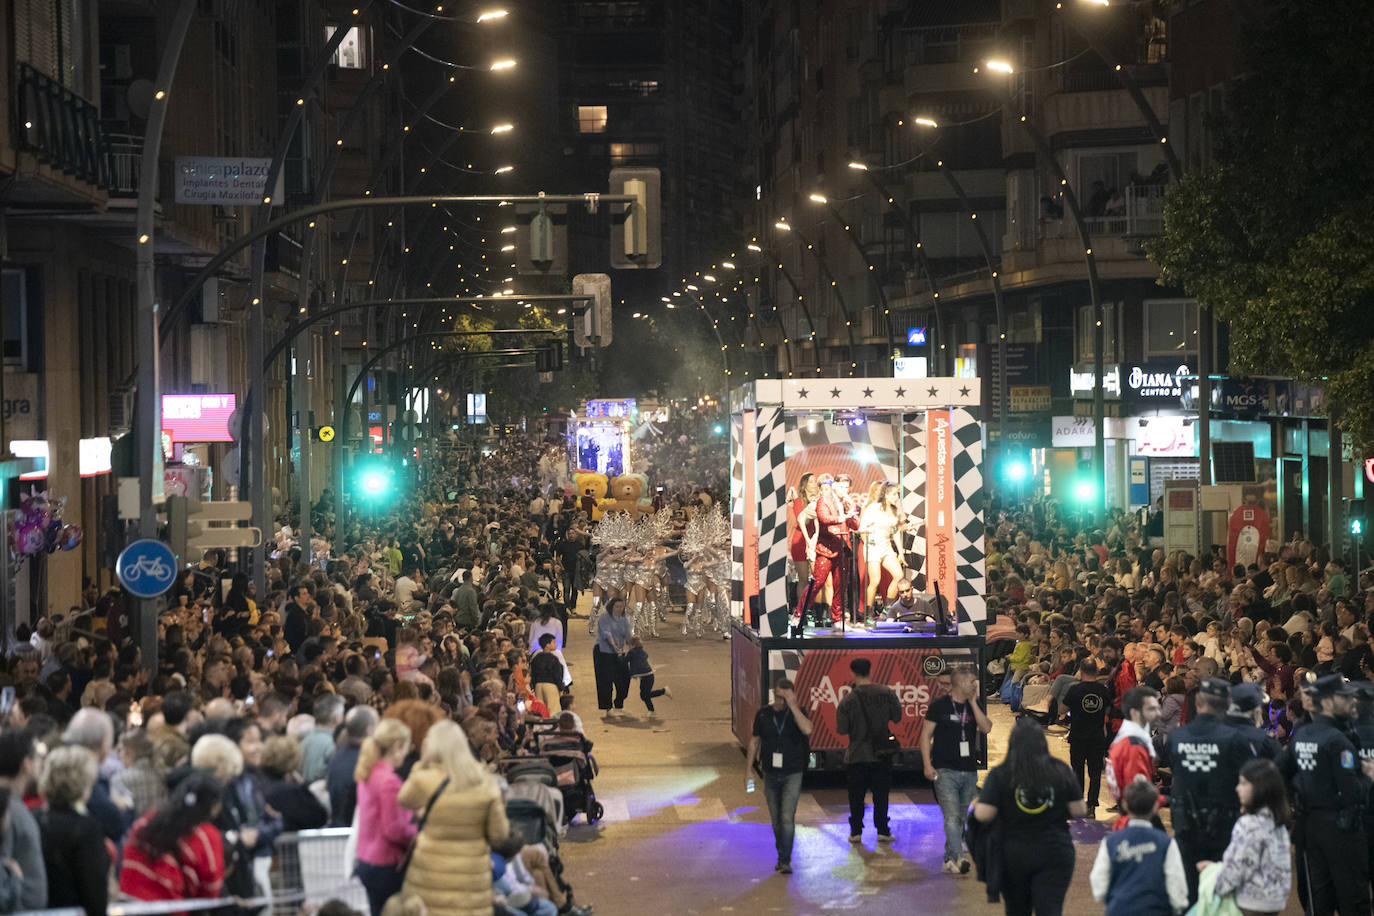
{"points": [[1032, 795], [234, 617], [74, 852]]}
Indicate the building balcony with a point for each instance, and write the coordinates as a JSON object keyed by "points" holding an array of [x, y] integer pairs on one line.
{"points": [[60, 128], [126, 163], [1098, 106], [1139, 215]]}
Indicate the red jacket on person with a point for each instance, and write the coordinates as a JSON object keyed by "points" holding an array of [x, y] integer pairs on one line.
{"points": [[196, 869], [835, 525]]}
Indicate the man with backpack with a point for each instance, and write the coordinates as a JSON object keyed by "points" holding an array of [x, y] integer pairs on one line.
{"points": [[1087, 703], [1131, 756], [864, 715]]}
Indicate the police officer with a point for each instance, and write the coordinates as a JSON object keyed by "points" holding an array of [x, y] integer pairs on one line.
{"points": [[1330, 791], [1363, 735], [1205, 757], [1245, 715]]}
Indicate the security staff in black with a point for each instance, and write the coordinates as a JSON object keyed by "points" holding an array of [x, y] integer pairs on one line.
{"points": [[1330, 792], [1246, 712], [1205, 756]]}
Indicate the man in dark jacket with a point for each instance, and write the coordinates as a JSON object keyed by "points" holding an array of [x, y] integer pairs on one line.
{"points": [[294, 624], [864, 716]]}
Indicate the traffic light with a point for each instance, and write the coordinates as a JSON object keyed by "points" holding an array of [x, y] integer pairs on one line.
{"points": [[1015, 469], [1355, 512], [549, 357], [635, 231], [541, 240], [1084, 490], [374, 482]]}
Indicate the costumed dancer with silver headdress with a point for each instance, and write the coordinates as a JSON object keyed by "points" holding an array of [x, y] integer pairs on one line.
{"points": [[718, 571], [613, 534], [694, 553]]}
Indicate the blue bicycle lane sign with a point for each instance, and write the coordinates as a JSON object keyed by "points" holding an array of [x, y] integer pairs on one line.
{"points": [[147, 568]]}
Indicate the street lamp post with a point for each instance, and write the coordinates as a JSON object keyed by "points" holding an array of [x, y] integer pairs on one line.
{"points": [[914, 240], [994, 271], [868, 262], [1046, 154], [784, 226]]}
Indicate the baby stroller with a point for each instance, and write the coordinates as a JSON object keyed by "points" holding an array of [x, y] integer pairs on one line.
{"points": [[574, 769], [531, 822]]}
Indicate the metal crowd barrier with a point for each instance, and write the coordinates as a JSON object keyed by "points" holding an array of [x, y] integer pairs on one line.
{"points": [[308, 869]]}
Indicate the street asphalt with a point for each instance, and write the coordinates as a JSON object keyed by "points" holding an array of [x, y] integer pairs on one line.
{"points": [[681, 835]]}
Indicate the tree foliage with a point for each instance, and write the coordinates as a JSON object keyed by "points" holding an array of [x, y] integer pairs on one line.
{"points": [[1277, 234]]}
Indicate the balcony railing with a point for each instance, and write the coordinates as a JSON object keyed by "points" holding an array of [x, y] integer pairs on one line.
{"points": [[61, 128], [126, 163], [1140, 213]]}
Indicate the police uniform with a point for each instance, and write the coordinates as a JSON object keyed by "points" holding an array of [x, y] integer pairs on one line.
{"points": [[1245, 699], [1205, 756], [1362, 733], [1331, 792]]}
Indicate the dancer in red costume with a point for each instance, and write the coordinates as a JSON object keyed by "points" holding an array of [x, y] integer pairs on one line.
{"points": [[837, 515]]}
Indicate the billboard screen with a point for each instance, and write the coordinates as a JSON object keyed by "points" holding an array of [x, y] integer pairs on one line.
{"points": [[198, 417]]}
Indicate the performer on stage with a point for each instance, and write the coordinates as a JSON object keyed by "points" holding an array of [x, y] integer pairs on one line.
{"points": [[837, 515], [803, 528], [881, 520]]}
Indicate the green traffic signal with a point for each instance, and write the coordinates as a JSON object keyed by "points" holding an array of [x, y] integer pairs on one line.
{"points": [[1084, 490], [1016, 470], [374, 481]]}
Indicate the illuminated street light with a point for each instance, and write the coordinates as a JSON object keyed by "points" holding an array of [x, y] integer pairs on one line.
{"points": [[503, 128], [752, 247], [818, 199], [858, 166], [507, 230], [782, 225], [708, 278], [925, 122], [728, 265], [504, 169], [505, 64], [1000, 66], [492, 15]]}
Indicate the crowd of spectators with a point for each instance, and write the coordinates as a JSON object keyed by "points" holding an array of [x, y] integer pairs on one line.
{"points": [[379, 687], [1067, 594]]}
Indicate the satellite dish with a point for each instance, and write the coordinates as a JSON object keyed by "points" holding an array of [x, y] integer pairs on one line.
{"points": [[229, 467], [140, 98]]}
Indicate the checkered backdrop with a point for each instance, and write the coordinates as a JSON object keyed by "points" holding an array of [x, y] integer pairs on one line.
{"points": [[789, 446]]}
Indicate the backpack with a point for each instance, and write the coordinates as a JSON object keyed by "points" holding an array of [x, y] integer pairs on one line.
{"points": [[1114, 786], [1012, 690]]}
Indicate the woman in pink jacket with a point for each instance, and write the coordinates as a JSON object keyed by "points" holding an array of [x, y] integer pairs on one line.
{"points": [[385, 829]]}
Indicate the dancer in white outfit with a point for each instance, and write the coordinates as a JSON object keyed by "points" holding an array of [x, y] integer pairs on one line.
{"points": [[879, 524]]}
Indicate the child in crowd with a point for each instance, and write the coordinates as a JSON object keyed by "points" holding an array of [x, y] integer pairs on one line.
{"points": [[1020, 659], [640, 668], [512, 884], [1139, 870], [1256, 866]]}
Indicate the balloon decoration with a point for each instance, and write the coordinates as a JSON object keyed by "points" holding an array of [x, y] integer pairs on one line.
{"points": [[37, 529]]}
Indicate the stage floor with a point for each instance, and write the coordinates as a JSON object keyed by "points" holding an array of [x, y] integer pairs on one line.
{"points": [[917, 629]]}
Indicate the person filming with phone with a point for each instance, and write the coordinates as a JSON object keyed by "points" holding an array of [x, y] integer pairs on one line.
{"points": [[779, 751]]}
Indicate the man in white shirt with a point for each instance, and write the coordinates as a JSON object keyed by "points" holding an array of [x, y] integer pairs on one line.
{"points": [[406, 587], [537, 507]]}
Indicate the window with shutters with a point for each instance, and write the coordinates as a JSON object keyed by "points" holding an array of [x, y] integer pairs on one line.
{"points": [[51, 36]]}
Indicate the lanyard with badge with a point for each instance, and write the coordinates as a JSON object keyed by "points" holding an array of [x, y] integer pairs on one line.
{"points": [[779, 723], [964, 749]]}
